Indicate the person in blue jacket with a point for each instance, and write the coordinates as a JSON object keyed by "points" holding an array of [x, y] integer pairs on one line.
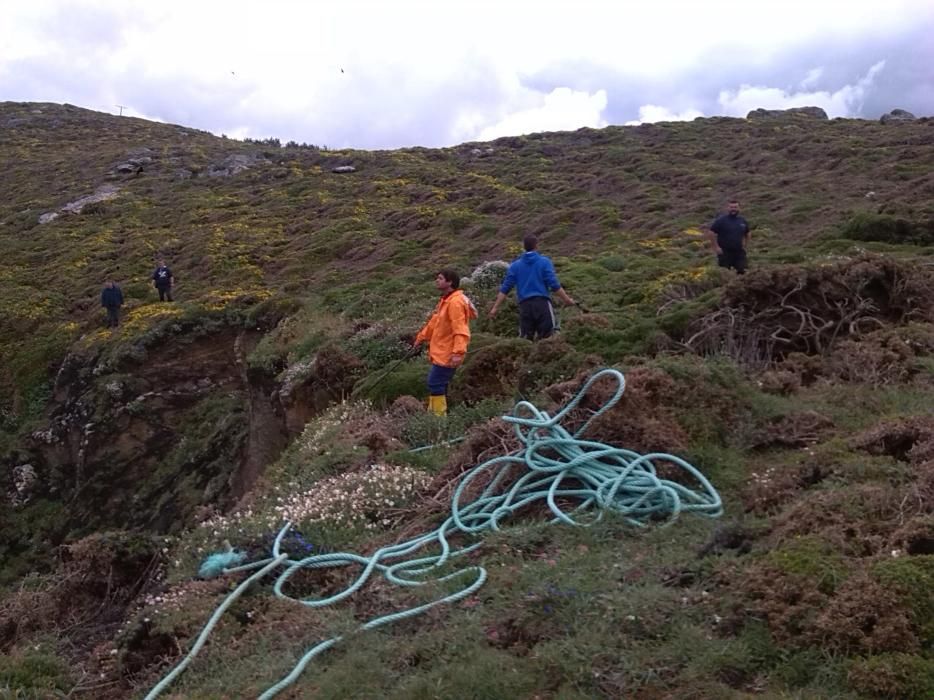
{"points": [[112, 300], [533, 276]]}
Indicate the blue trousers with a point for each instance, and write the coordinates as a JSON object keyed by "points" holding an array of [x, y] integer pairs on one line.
{"points": [[113, 316], [438, 379], [536, 318], [733, 258]]}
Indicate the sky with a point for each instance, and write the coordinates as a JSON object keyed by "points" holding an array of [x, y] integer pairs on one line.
{"points": [[381, 74]]}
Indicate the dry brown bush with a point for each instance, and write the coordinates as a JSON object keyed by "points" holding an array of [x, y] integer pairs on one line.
{"points": [[879, 358], [789, 604], [780, 381], [907, 439], [795, 430], [494, 370], [821, 605], [406, 406], [765, 317], [864, 617], [856, 521], [808, 368], [884, 356], [336, 370], [643, 419], [483, 442], [915, 537], [770, 488], [88, 593]]}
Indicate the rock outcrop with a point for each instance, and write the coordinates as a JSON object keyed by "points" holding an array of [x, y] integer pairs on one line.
{"points": [[101, 194], [232, 165], [897, 115], [813, 112], [144, 440]]}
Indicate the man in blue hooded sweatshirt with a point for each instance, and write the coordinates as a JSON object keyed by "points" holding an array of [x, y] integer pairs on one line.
{"points": [[533, 276]]}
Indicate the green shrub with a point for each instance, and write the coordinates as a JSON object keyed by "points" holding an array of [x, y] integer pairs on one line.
{"points": [[407, 379], [266, 356], [812, 559], [613, 263], [35, 674], [888, 229], [137, 290], [457, 219], [799, 668], [270, 311], [428, 429], [901, 676], [913, 578], [378, 346]]}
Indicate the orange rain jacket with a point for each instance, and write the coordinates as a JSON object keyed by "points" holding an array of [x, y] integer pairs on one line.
{"points": [[448, 329]]}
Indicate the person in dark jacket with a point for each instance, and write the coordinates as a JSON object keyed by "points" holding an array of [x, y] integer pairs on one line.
{"points": [[163, 281], [533, 276], [112, 300], [729, 238]]}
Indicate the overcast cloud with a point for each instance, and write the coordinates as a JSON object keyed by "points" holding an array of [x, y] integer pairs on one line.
{"points": [[379, 74]]}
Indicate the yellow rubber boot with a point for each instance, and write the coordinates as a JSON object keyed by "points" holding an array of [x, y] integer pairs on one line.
{"points": [[438, 405]]}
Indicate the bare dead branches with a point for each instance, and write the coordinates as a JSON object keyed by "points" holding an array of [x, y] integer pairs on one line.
{"points": [[765, 317]]}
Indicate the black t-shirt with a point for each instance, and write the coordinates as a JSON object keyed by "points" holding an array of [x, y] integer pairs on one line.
{"points": [[162, 276], [730, 230]]}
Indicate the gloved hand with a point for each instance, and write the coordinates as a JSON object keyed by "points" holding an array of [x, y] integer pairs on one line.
{"points": [[415, 348]]}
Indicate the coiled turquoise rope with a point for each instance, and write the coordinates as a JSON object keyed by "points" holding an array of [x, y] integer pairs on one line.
{"points": [[558, 465]]}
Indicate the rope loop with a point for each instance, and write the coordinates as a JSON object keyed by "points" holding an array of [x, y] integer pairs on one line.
{"points": [[567, 473]]}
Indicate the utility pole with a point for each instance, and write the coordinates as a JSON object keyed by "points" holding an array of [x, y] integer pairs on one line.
{"points": [[122, 107]]}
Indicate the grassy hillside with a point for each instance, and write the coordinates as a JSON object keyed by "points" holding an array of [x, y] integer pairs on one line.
{"points": [[288, 226], [803, 391]]}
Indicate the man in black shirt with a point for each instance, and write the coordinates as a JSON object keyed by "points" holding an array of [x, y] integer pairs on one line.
{"points": [[729, 237], [163, 281]]}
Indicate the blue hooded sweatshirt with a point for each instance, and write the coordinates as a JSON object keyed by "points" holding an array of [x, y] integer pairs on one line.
{"points": [[532, 275]]}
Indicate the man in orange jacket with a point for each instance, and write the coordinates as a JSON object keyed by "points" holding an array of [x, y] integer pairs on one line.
{"points": [[448, 334]]}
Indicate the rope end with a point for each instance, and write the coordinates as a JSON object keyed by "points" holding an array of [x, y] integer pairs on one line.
{"points": [[216, 563]]}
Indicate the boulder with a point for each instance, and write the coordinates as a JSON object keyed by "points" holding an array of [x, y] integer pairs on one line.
{"points": [[344, 169], [813, 112], [234, 164], [897, 115], [101, 194], [24, 480]]}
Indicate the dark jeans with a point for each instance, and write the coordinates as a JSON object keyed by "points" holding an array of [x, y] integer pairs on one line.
{"points": [[536, 318], [733, 258], [165, 292], [113, 316], [438, 379]]}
